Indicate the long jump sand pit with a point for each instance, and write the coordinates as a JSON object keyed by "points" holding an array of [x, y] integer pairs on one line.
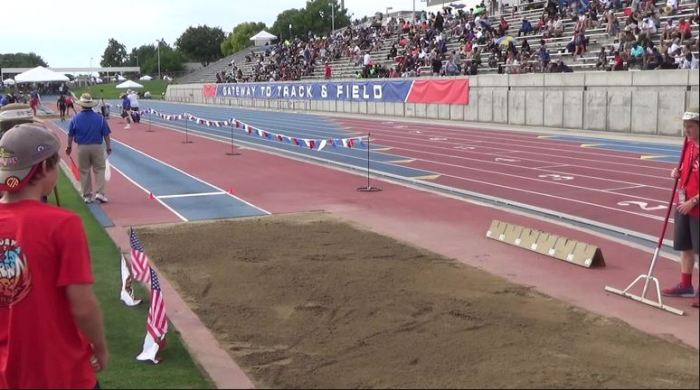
{"points": [[307, 300]]}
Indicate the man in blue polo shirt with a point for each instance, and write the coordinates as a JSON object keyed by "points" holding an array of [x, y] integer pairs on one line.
{"points": [[89, 129]]}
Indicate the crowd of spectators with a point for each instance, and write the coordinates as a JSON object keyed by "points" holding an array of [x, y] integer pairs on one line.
{"points": [[460, 42]]}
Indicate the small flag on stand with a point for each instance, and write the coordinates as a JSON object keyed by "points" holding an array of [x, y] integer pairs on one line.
{"points": [[156, 325], [127, 293]]}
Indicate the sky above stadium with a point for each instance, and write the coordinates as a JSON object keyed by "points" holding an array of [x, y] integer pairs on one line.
{"points": [[70, 34]]}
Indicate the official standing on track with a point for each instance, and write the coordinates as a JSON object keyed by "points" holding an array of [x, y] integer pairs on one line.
{"points": [[89, 129], [686, 236]]}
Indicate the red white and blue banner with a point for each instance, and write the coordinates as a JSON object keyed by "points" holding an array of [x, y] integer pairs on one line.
{"points": [[311, 143], [448, 91]]}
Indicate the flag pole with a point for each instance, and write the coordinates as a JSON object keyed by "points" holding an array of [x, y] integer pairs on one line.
{"points": [[233, 151], [368, 188], [187, 139]]}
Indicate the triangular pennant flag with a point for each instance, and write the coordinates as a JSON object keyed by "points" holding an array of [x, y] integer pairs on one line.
{"points": [[312, 144], [260, 133], [238, 124], [322, 144], [127, 293], [334, 143], [296, 142], [280, 138], [361, 142]]}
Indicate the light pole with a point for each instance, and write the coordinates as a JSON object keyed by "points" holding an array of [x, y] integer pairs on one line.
{"points": [[332, 17], [387, 11], [158, 52], [290, 32]]}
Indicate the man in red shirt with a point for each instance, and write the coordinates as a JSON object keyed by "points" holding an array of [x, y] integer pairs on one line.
{"points": [[51, 333], [687, 220]]}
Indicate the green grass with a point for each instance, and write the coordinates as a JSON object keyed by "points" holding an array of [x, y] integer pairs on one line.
{"points": [[109, 91], [126, 327]]}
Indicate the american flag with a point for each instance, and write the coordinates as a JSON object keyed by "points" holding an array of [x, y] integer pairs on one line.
{"points": [[157, 324], [139, 260]]}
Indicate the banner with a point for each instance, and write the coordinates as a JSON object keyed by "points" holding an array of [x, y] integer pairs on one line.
{"points": [[453, 91]]}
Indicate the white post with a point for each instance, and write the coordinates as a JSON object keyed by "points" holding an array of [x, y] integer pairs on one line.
{"points": [[332, 17], [158, 51]]}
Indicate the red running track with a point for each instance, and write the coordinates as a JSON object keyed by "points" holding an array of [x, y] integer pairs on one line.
{"points": [[610, 187]]}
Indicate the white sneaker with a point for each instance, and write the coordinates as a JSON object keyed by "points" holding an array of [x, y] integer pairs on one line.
{"points": [[101, 198], [127, 126], [87, 198]]}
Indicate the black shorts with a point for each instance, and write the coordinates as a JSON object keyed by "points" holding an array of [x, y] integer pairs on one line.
{"points": [[686, 234]]}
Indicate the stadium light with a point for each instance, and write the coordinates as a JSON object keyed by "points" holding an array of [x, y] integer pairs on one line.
{"points": [[332, 17], [158, 51], [387, 10]]}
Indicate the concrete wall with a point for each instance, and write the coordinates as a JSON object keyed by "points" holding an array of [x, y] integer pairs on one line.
{"points": [[649, 102]]}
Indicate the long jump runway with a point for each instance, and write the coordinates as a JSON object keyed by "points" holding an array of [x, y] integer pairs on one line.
{"points": [[619, 186], [178, 191]]}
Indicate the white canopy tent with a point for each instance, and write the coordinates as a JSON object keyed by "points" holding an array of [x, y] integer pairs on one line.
{"points": [[146, 78], [128, 85], [40, 75], [262, 38], [8, 82]]}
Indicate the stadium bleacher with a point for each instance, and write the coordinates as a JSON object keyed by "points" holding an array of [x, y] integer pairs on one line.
{"points": [[377, 36]]}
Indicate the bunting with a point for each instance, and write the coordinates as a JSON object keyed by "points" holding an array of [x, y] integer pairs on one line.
{"points": [[312, 144]]}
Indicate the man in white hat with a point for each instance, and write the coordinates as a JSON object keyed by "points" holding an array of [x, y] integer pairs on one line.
{"points": [[686, 237], [89, 130]]}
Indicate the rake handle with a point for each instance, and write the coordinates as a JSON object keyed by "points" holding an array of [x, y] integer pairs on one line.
{"points": [[673, 195]]}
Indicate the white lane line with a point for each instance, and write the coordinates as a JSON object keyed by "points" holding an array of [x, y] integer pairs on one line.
{"points": [[172, 210], [190, 176], [190, 195], [626, 188], [552, 166]]}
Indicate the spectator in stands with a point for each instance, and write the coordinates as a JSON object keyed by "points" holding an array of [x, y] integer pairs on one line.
{"points": [[648, 28], [636, 55], [602, 61], [618, 62], [525, 27], [686, 238], [684, 30], [328, 71], [653, 60], [544, 58], [670, 8], [670, 30]]}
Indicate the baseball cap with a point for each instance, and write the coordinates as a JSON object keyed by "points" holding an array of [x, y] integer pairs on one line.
{"points": [[692, 114], [14, 114], [22, 148]]}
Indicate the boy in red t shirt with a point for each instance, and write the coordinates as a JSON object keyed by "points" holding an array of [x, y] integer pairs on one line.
{"points": [[687, 220], [51, 333]]}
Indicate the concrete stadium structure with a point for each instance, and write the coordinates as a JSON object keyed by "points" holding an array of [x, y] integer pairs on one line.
{"points": [[636, 102]]}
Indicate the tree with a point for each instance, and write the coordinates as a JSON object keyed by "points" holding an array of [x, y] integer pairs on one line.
{"points": [[316, 17], [239, 39], [21, 60], [201, 43], [146, 57], [114, 55]]}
